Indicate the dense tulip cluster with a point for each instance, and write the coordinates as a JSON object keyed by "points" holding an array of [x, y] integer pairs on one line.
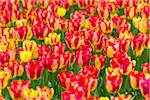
{"points": [[93, 49]]}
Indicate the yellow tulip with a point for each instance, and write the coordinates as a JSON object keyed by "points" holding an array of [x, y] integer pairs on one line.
{"points": [[61, 11], [25, 56]]}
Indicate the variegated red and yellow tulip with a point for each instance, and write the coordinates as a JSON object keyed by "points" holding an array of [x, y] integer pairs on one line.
{"points": [[137, 44], [4, 78], [30, 94], [63, 24], [4, 57], [106, 26], [31, 46], [141, 24], [147, 41], [146, 68], [110, 46], [135, 78], [65, 78], [74, 40], [130, 12], [23, 32], [145, 87], [15, 67], [95, 37], [34, 69], [99, 61], [43, 50], [40, 31], [123, 61], [58, 48], [45, 93], [83, 58], [91, 10], [113, 80], [118, 21], [16, 88], [144, 12], [122, 97], [53, 38]]}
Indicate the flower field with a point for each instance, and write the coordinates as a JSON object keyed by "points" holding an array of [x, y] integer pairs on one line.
{"points": [[74, 50]]}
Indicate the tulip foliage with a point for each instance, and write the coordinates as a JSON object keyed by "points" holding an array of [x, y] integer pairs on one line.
{"points": [[74, 50]]}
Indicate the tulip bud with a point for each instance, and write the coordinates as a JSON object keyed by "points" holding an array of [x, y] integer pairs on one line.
{"points": [[135, 78], [34, 69], [106, 26]]}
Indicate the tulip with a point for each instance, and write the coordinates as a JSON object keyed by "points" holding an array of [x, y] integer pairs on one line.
{"points": [[4, 78], [113, 80], [135, 78], [63, 24], [144, 12], [34, 69], [130, 12], [40, 31], [72, 2], [110, 46], [58, 48], [75, 41], [95, 37], [83, 58], [16, 88], [103, 11], [22, 32], [99, 61], [43, 50], [147, 42], [90, 10], [75, 24], [106, 26], [4, 57], [144, 87], [30, 94], [124, 44], [103, 98], [118, 21], [31, 46], [16, 68], [122, 97], [45, 93], [69, 95], [25, 56], [141, 24], [61, 11], [52, 38], [146, 68], [65, 78], [137, 44], [123, 61]]}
